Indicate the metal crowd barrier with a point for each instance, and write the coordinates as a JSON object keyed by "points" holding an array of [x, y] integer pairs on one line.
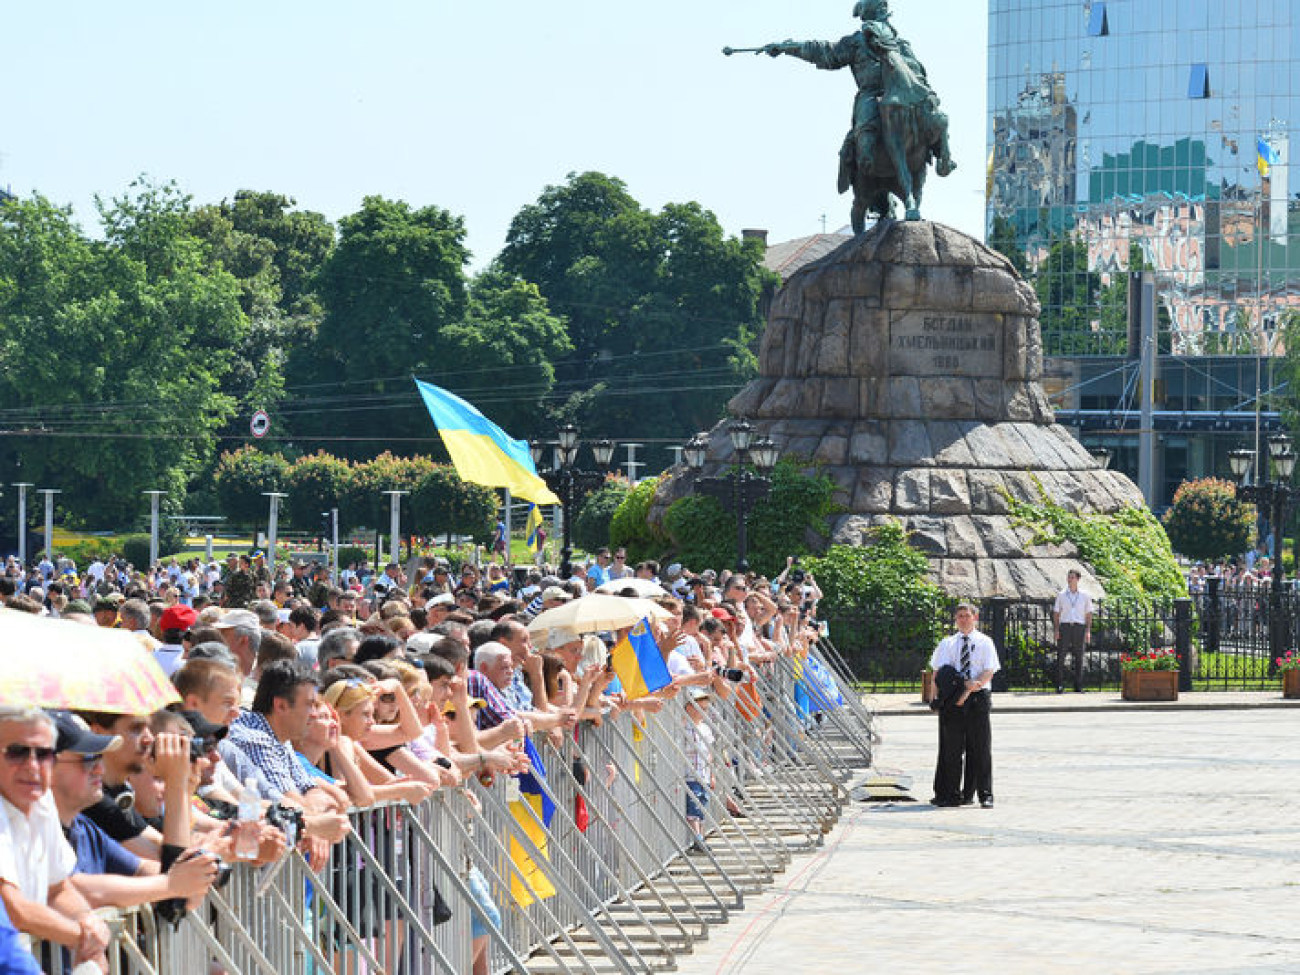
{"points": [[626, 891]]}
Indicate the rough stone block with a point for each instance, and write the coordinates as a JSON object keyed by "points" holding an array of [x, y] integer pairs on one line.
{"points": [[832, 450], [1000, 538], [964, 539], [905, 397], [946, 398], [912, 491], [988, 400], [948, 287], [928, 535], [995, 291], [987, 447], [810, 396], [865, 280], [834, 348], [851, 530], [1041, 405], [783, 400], [874, 493], [909, 444], [954, 248], [873, 397], [948, 441], [839, 398], [788, 302], [956, 577], [1023, 486], [869, 352], [904, 285], [749, 401], [1017, 407], [949, 494], [804, 447], [870, 443], [916, 246], [987, 492], [1028, 451]]}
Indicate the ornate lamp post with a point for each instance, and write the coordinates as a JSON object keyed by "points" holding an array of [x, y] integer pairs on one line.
{"points": [[1276, 497], [740, 490], [569, 483]]}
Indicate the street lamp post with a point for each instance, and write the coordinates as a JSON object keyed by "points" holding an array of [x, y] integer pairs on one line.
{"points": [[154, 501], [394, 525], [1276, 497], [740, 490], [272, 527], [568, 482], [22, 487], [49, 520]]}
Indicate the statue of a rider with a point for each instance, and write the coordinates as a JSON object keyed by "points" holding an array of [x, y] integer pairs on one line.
{"points": [[897, 125]]}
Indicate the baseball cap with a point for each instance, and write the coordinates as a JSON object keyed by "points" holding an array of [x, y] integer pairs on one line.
{"points": [[203, 728], [443, 599], [178, 617], [238, 617], [75, 736], [721, 614]]}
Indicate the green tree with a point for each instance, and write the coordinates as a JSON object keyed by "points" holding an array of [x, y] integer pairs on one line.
{"points": [[394, 280], [629, 527], [1206, 521], [500, 355], [242, 477], [367, 504], [649, 298], [113, 352], [443, 504], [316, 483], [591, 526]]}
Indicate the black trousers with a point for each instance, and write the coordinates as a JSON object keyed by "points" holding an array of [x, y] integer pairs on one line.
{"points": [[965, 738], [1071, 642]]}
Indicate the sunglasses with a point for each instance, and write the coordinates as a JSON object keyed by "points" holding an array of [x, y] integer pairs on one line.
{"points": [[18, 754], [85, 761]]}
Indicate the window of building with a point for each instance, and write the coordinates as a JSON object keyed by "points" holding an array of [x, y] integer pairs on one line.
{"points": [[1098, 24], [1198, 85]]}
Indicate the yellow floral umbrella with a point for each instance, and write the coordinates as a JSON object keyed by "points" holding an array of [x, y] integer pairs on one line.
{"points": [[61, 664]]}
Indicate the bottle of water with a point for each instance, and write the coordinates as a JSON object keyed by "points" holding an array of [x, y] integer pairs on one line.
{"points": [[246, 828]]}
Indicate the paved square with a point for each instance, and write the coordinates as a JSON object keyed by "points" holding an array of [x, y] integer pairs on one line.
{"points": [[1122, 842]]}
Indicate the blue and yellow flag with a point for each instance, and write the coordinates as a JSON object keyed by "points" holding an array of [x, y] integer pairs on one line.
{"points": [[639, 664], [481, 451], [531, 884], [534, 523], [1266, 156]]}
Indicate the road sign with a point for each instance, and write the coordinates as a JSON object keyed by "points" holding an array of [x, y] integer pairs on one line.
{"points": [[260, 424]]}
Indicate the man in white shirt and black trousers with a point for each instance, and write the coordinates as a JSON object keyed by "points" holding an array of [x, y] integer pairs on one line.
{"points": [[1072, 619], [964, 730]]}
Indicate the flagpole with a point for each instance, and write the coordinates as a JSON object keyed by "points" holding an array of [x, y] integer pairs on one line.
{"points": [[506, 519]]}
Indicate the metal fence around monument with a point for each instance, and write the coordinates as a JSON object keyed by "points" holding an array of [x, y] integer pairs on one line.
{"points": [[1226, 640]]}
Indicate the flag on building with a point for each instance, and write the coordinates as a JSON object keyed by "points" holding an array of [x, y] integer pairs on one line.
{"points": [[1265, 156], [481, 451], [639, 664]]}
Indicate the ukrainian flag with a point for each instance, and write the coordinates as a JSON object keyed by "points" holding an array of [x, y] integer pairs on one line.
{"points": [[1266, 156], [530, 883], [534, 523], [480, 450], [639, 664]]}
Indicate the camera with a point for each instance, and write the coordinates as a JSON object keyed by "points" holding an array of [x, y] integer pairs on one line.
{"points": [[797, 575], [733, 674], [224, 870], [287, 819]]}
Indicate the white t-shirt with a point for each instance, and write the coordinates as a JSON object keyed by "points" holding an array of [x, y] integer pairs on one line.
{"points": [[678, 665], [34, 855], [690, 648]]}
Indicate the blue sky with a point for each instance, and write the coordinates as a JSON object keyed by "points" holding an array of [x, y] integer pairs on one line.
{"points": [[475, 107]]}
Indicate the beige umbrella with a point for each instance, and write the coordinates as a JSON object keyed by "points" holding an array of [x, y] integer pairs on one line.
{"points": [[645, 588], [596, 612], [61, 664]]}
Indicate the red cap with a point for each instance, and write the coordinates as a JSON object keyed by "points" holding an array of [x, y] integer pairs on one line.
{"points": [[178, 618], [721, 614]]}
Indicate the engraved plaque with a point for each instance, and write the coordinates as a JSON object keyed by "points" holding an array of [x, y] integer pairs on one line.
{"points": [[924, 343]]}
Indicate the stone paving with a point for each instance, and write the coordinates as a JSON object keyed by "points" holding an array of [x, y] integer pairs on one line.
{"points": [[1132, 842]]}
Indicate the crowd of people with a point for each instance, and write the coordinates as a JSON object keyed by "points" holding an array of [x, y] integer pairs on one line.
{"points": [[303, 698]]}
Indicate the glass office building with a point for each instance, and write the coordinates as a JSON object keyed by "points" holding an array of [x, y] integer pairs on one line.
{"points": [[1151, 135]]}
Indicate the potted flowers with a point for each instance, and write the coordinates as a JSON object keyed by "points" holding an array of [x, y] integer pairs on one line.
{"points": [[1150, 676], [1289, 668]]}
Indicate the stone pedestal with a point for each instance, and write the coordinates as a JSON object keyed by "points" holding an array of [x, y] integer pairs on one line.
{"points": [[907, 363]]}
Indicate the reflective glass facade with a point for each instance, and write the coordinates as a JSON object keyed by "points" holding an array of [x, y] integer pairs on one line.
{"points": [[1148, 135]]}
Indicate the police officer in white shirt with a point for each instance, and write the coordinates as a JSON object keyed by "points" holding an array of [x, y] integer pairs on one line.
{"points": [[964, 730], [1072, 623]]}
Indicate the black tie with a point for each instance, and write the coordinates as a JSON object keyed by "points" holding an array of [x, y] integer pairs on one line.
{"points": [[965, 656]]}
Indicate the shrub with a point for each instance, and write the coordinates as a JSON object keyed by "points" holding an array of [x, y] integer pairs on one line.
{"points": [[135, 549], [703, 533], [366, 504], [441, 504], [591, 527], [1206, 521], [629, 527], [349, 554], [316, 484], [241, 477]]}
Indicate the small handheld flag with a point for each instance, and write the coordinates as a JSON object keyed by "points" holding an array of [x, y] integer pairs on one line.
{"points": [[639, 664]]}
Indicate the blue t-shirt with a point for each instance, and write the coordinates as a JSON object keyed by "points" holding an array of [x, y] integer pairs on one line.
{"points": [[97, 852], [14, 958]]}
